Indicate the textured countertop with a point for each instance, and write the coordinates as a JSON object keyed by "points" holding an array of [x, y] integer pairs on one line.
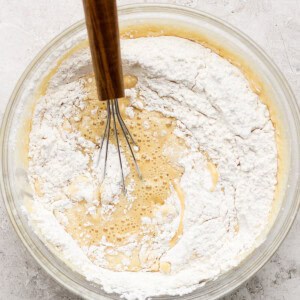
{"points": [[28, 25]]}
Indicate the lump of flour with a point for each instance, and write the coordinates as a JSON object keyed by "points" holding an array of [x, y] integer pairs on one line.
{"points": [[217, 140]]}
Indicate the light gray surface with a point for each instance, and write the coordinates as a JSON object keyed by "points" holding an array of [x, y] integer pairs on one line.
{"points": [[27, 25]]}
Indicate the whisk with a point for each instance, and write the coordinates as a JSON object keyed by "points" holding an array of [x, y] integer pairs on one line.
{"points": [[103, 31]]}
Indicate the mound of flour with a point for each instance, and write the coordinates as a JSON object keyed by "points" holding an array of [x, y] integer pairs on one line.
{"points": [[218, 116]]}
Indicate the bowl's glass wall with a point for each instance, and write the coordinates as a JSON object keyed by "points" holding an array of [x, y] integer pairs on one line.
{"points": [[14, 184]]}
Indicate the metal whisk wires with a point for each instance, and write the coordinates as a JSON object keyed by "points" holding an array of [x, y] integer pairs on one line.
{"points": [[114, 117]]}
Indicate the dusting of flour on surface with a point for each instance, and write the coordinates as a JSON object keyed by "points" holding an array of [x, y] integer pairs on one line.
{"points": [[208, 221]]}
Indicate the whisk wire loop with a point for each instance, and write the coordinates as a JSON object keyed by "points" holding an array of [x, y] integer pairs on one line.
{"points": [[114, 114], [124, 128]]}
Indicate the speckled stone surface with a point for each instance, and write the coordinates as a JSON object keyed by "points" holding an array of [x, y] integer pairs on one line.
{"points": [[28, 25]]}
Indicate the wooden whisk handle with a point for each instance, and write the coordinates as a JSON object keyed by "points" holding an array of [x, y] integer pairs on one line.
{"points": [[103, 31]]}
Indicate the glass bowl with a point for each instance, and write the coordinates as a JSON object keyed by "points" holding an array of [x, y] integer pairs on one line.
{"points": [[224, 39]]}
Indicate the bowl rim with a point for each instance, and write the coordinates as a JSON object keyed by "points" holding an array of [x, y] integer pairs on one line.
{"points": [[64, 280]]}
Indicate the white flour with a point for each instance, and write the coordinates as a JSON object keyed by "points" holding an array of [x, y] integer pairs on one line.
{"points": [[217, 114]]}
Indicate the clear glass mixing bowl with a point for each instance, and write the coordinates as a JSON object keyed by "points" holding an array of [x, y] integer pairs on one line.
{"points": [[14, 184]]}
